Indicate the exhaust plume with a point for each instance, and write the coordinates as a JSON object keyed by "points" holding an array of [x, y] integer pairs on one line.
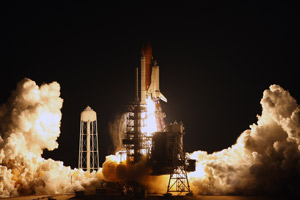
{"points": [[265, 158], [115, 171], [30, 123]]}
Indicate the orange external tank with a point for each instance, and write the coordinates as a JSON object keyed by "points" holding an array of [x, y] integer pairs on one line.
{"points": [[147, 52]]}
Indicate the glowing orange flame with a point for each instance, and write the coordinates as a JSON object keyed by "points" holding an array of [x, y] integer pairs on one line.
{"points": [[151, 125]]}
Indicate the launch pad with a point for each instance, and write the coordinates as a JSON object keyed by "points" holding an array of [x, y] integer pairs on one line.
{"points": [[151, 197], [160, 144], [148, 142]]}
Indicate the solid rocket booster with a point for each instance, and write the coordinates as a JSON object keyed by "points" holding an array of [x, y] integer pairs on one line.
{"points": [[149, 76], [143, 79]]}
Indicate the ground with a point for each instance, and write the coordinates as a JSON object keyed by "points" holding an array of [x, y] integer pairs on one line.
{"points": [[113, 197]]}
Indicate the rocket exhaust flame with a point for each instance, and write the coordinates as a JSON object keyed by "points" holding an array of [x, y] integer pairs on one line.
{"points": [[265, 158], [151, 125]]}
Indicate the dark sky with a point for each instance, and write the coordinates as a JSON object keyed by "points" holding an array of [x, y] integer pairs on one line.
{"points": [[215, 58]]}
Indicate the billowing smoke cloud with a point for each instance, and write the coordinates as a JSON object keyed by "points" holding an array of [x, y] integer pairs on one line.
{"points": [[115, 171], [265, 158], [30, 123]]}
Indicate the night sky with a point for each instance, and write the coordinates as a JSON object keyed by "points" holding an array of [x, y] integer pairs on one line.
{"points": [[215, 59]]}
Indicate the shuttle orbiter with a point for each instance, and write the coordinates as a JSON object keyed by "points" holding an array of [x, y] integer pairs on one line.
{"points": [[149, 76]]}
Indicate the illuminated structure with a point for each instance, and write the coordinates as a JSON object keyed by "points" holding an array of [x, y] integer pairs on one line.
{"points": [[138, 137], [149, 76], [88, 141], [150, 84], [135, 137], [168, 157], [147, 135]]}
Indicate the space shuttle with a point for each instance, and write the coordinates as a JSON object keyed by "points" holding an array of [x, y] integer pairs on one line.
{"points": [[149, 76]]}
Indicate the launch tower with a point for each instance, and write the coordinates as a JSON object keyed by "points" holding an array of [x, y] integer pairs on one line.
{"points": [[88, 141], [161, 145]]}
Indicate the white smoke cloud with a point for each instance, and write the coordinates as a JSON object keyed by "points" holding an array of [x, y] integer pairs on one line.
{"points": [[30, 123], [265, 158]]}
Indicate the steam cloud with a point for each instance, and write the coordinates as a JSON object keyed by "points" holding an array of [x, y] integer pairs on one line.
{"points": [[139, 172], [265, 158], [30, 123]]}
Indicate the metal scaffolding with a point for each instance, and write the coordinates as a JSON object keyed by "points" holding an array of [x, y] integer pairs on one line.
{"points": [[134, 141], [178, 181], [168, 157], [163, 146]]}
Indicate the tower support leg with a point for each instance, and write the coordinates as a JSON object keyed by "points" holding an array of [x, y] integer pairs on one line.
{"points": [[178, 182]]}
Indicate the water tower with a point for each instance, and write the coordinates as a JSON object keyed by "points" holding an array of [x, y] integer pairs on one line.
{"points": [[88, 141]]}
